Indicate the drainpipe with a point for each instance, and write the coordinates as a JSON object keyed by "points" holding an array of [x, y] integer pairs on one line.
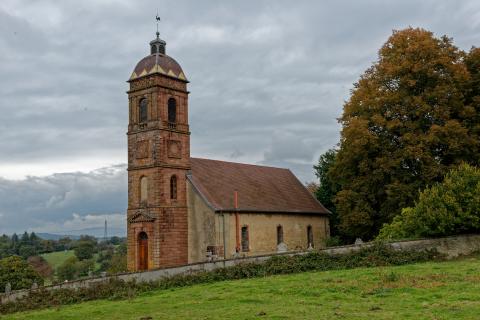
{"points": [[224, 238], [237, 223]]}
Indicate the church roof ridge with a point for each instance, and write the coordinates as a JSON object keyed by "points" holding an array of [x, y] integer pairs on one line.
{"points": [[242, 163]]}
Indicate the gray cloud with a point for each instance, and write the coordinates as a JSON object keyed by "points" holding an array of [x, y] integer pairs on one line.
{"points": [[268, 79], [63, 201]]}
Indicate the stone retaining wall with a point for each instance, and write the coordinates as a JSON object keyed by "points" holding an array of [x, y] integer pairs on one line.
{"points": [[450, 246]]}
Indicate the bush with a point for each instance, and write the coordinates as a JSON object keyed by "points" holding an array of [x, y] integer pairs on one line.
{"points": [[334, 241], [447, 208], [85, 249], [376, 255], [72, 268], [18, 273], [41, 266], [118, 264]]}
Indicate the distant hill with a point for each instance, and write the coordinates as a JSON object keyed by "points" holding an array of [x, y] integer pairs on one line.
{"points": [[75, 234], [51, 236], [98, 232]]}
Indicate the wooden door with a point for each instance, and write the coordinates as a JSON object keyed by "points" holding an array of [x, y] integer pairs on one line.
{"points": [[142, 251]]}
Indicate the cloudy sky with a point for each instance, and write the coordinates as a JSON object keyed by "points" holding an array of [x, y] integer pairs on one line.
{"points": [[268, 80]]}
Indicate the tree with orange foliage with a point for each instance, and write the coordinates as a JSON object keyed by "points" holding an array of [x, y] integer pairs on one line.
{"points": [[411, 117]]}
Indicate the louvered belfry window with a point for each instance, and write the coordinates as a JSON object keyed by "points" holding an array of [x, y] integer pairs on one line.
{"points": [[143, 110], [172, 110]]}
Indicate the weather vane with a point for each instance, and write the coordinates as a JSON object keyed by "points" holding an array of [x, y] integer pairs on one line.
{"points": [[157, 17]]}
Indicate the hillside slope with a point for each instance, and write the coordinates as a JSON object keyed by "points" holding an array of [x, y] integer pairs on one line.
{"points": [[444, 290]]}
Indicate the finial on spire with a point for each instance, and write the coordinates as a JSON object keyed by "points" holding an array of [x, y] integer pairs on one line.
{"points": [[157, 46], [157, 17]]}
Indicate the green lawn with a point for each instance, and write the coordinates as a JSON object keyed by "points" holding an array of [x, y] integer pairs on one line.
{"points": [[446, 290], [57, 258]]}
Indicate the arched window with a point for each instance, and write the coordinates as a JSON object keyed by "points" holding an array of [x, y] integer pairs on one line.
{"points": [[143, 110], [172, 110], [173, 187], [143, 189], [245, 239], [309, 236], [279, 234]]}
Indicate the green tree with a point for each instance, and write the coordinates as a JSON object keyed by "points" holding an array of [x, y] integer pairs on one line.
{"points": [[72, 268], [447, 208], [327, 188], [85, 248], [115, 240], [25, 239], [405, 124], [64, 244], [14, 244], [68, 269], [18, 273], [26, 250]]}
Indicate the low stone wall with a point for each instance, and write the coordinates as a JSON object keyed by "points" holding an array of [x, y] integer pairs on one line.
{"points": [[450, 246]]}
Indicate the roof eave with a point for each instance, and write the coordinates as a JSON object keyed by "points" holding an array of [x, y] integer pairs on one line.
{"points": [[233, 210]]}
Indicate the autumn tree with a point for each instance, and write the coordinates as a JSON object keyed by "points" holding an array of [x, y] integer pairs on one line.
{"points": [[41, 266], [18, 273], [406, 123]]}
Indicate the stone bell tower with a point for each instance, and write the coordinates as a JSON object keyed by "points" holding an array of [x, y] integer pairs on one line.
{"points": [[158, 161]]}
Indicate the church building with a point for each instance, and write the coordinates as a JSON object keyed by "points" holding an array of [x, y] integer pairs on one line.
{"points": [[185, 210]]}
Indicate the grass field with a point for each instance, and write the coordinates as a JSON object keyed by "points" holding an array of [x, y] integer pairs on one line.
{"points": [[57, 258], [442, 290]]}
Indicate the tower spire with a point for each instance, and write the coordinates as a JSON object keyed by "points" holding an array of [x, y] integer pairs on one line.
{"points": [[157, 45]]}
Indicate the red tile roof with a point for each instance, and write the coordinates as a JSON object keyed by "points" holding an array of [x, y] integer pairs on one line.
{"points": [[167, 63], [260, 188]]}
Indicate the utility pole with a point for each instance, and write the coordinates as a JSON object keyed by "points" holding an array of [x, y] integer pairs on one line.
{"points": [[105, 235]]}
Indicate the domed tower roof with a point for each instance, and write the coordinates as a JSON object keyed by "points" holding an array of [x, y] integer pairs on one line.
{"points": [[158, 62]]}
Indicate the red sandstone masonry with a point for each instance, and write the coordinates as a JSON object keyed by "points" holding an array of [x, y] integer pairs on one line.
{"points": [[150, 154]]}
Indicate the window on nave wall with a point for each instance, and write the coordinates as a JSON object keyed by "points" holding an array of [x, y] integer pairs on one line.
{"points": [[309, 236], [143, 110], [245, 239], [279, 234]]}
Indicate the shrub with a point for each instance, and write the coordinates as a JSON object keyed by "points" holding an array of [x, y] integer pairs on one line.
{"points": [[18, 273], [118, 264], [334, 241], [85, 249], [72, 268], [376, 255], [41, 266], [447, 208]]}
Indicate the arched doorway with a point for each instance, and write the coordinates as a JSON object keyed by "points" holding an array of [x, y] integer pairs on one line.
{"points": [[142, 251]]}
